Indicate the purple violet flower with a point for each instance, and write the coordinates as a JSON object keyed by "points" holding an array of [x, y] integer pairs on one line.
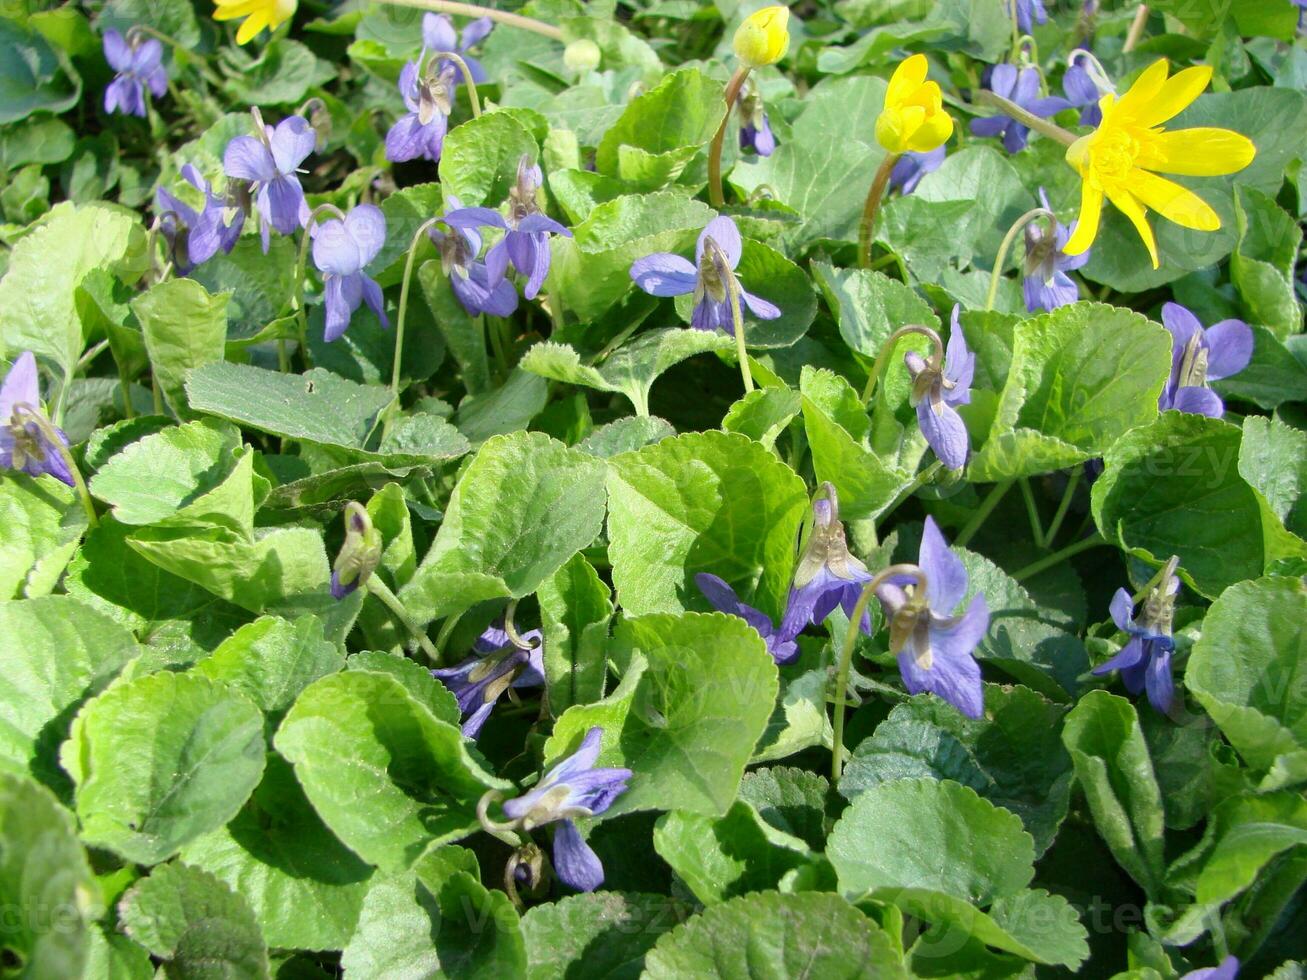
{"points": [[216, 228], [573, 788], [1021, 87], [1046, 285], [827, 574], [526, 243], [782, 648], [139, 65], [1199, 356], [1228, 968], [1083, 92], [716, 256], [474, 285], [496, 665], [933, 646], [27, 437], [911, 167], [360, 552], [1029, 13], [1145, 661], [438, 35], [936, 389], [420, 134], [341, 250], [269, 161], [755, 130]]}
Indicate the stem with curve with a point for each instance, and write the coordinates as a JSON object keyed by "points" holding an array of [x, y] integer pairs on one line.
{"points": [[300, 268], [737, 322], [1026, 118], [872, 207], [882, 359], [391, 601], [403, 305], [1005, 246], [1063, 505], [472, 97], [476, 10], [715, 196]]}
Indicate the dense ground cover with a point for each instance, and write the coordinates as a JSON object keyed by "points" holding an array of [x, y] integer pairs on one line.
{"points": [[653, 488]]}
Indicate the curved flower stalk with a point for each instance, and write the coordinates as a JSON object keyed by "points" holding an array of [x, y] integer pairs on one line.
{"points": [[257, 15], [498, 663], [782, 648], [1200, 355], [1145, 661], [937, 388], [341, 251], [526, 242], [438, 34], [269, 160], [827, 575], [1084, 83], [139, 66], [195, 237], [1046, 285], [1021, 87]]}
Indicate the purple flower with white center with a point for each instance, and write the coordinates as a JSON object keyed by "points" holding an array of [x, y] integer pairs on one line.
{"points": [[937, 389], [573, 788], [1145, 661], [471, 280], [716, 256], [1029, 13], [911, 167], [526, 243], [827, 574], [1199, 356], [1021, 87], [1083, 92], [216, 228], [1046, 285], [341, 250], [497, 664], [438, 35], [269, 161], [782, 648], [139, 65], [933, 646], [420, 133], [29, 441], [755, 130], [1228, 968]]}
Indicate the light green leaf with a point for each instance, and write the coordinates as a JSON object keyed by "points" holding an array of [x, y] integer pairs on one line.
{"points": [[185, 328], [41, 524], [763, 414], [799, 721], [795, 801], [416, 678], [869, 306], [601, 933], [1263, 261], [478, 163], [1273, 459], [624, 435], [575, 607], [34, 75], [257, 285]]}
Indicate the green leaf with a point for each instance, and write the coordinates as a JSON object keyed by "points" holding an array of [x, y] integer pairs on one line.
{"points": [[34, 76], [1246, 848], [54, 653], [503, 410], [416, 678], [799, 720], [176, 18], [869, 306], [478, 163], [1273, 377], [795, 801], [45, 882], [1273, 459], [575, 607], [1262, 264], [305, 888], [195, 923], [930, 834], [776, 936], [160, 760], [763, 414], [1113, 767], [185, 328], [283, 73], [702, 502], [696, 695], [361, 736], [256, 284], [600, 934], [625, 435], [41, 525]]}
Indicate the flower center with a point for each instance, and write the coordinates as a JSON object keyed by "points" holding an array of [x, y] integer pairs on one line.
{"points": [[711, 264], [1193, 364], [1113, 155], [25, 430]]}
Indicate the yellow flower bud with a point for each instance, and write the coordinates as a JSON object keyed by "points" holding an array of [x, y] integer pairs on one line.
{"points": [[582, 55], [913, 118], [763, 38]]}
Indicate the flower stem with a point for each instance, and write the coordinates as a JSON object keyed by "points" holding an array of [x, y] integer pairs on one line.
{"points": [[403, 306], [1160, 576], [476, 10], [391, 601], [1028, 119], [1005, 246], [846, 657], [1137, 26], [467, 77], [1063, 505], [52, 436], [1036, 528], [878, 366], [737, 322], [715, 196], [983, 511], [918, 481], [300, 267], [872, 208], [1057, 557]]}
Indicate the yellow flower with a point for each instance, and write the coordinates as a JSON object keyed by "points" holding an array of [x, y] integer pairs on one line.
{"points": [[1119, 157], [258, 14], [914, 117], [763, 38]]}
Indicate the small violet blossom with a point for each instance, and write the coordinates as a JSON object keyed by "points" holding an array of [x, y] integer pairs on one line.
{"points": [[573, 788], [1145, 661], [1046, 285], [471, 280], [1021, 87], [1083, 91], [1029, 13], [526, 243], [341, 250], [937, 389], [269, 161], [827, 574], [29, 441], [216, 228], [911, 167], [755, 130], [710, 279], [933, 646], [496, 665], [420, 134], [139, 65], [360, 553], [438, 35], [782, 648], [1228, 968], [1199, 356]]}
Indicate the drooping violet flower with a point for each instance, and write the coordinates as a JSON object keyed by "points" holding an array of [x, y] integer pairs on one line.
{"points": [[195, 237], [341, 250], [438, 35], [1228, 968], [269, 161], [1145, 661], [477, 290], [420, 133], [1021, 87], [827, 574], [911, 167], [573, 788], [497, 664], [29, 441], [934, 646], [139, 65], [1029, 13], [755, 130], [360, 553], [937, 389], [1046, 285], [1199, 356], [782, 648], [1084, 85], [526, 243], [716, 255]]}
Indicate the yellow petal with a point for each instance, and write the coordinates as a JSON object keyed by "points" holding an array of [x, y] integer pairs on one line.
{"points": [[1132, 209], [933, 133], [895, 126], [252, 25], [1091, 210], [762, 39], [1145, 89], [1176, 95], [1173, 202], [284, 10], [1077, 154], [907, 78], [1200, 152]]}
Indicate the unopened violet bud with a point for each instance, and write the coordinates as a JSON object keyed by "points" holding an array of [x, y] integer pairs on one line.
{"points": [[1145, 660], [937, 388], [360, 554]]}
